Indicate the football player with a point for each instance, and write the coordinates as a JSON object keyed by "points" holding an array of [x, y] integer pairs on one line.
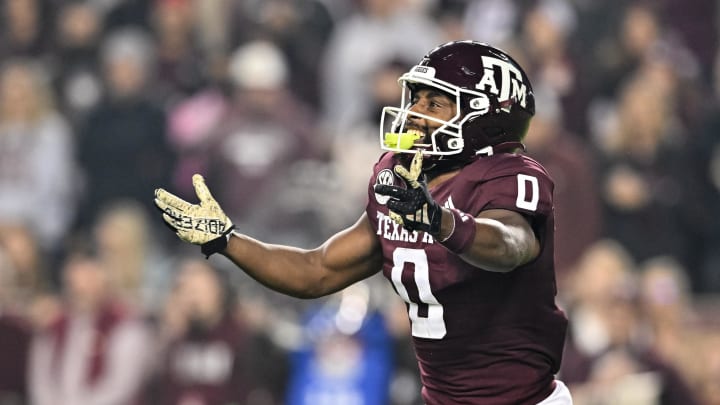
{"points": [[458, 220]]}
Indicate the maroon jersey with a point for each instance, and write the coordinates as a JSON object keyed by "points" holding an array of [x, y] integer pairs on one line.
{"points": [[206, 367], [480, 337]]}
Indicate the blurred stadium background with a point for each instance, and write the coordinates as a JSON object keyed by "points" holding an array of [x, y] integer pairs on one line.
{"points": [[277, 102]]}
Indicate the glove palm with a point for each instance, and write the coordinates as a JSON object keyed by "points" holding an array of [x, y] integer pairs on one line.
{"points": [[202, 224], [412, 207]]}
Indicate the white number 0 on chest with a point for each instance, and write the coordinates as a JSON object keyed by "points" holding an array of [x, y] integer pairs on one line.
{"points": [[430, 324]]}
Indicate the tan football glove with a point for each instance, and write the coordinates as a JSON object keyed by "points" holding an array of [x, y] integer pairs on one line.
{"points": [[203, 224], [412, 207]]}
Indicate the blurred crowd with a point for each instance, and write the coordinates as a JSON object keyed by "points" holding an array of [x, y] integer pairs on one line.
{"points": [[277, 103]]}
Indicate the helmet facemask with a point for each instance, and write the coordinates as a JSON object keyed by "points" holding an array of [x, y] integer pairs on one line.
{"points": [[443, 145]]}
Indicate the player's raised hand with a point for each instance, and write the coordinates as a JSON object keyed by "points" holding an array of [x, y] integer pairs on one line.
{"points": [[203, 224], [412, 207]]}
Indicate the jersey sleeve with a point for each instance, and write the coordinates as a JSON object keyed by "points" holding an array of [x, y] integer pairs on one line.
{"points": [[517, 185]]}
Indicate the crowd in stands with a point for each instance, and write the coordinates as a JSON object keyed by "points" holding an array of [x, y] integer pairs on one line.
{"points": [[276, 103]]}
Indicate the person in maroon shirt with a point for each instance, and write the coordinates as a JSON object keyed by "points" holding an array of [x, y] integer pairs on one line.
{"points": [[458, 220]]}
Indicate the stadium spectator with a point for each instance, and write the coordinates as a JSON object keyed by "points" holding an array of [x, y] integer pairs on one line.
{"points": [[495, 21], [263, 136], [95, 352], [605, 361], [38, 179], [29, 264], [645, 165], [301, 29], [15, 336], [601, 271], [547, 28], [76, 66], [180, 62], [205, 353], [123, 147], [617, 56], [359, 45], [25, 29], [670, 325], [140, 271], [31, 285]]}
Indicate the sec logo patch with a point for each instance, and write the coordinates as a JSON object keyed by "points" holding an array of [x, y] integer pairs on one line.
{"points": [[386, 177]]}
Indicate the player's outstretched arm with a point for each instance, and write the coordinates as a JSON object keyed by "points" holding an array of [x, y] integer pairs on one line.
{"points": [[347, 257]]}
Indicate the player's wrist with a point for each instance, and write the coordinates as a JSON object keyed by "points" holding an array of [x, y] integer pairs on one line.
{"points": [[462, 232], [446, 225], [435, 216], [218, 244]]}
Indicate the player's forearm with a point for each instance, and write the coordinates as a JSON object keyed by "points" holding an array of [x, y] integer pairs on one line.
{"points": [[285, 269], [498, 247], [495, 246]]}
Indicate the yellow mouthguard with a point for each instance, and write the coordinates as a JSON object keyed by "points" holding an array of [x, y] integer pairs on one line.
{"points": [[404, 140]]}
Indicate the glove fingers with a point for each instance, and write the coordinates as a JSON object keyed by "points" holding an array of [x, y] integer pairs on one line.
{"points": [[170, 223], [163, 207], [391, 191], [407, 175], [202, 190], [159, 205], [416, 165], [397, 206], [396, 217], [403, 172], [401, 207], [165, 200]]}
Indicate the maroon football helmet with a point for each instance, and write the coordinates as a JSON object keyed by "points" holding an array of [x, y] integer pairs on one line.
{"points": [[494, 100]]}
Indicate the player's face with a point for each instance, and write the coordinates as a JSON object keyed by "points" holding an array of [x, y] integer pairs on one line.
{"points": [[434, 104]]}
